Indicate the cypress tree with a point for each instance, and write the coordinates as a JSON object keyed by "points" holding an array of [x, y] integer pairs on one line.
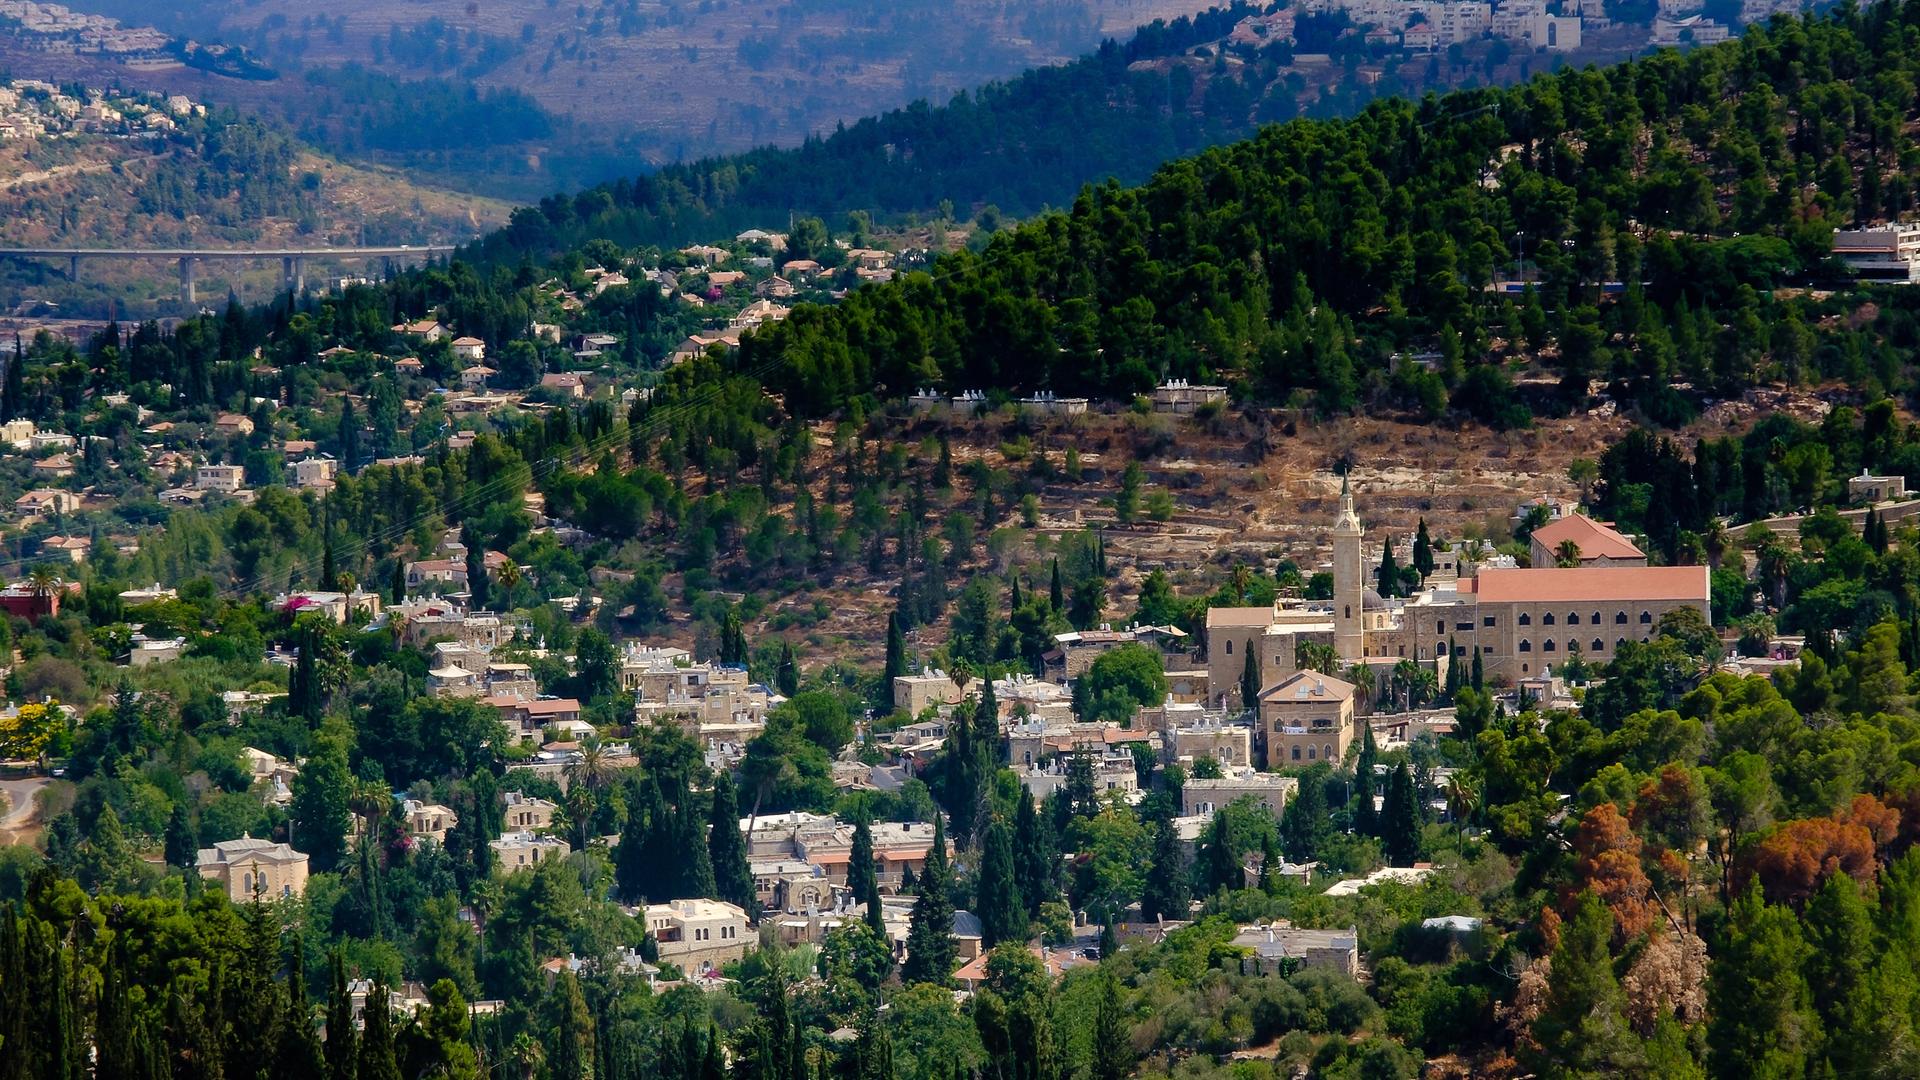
{"points": [[1389, 570], [182, 846], [1453, 670], [10, 390], [930, 946], [343, 1059], [1112, 1036], [1056, 594], [1002, 913], [787, 676], [1219, 864], [1166, 893], [1479, 673], [862, 878], [569, 1045], [1304, 820], [1013, 596], [329, 575], [689, 839], [349, 437], [727, 849], [636, 870], [1400, 821], [298, 1056], [1250, 680], [1365, 821], [1035, 857], [896, 658], [1423, 552], [479, 586], [397, 582], [377, 1036]]}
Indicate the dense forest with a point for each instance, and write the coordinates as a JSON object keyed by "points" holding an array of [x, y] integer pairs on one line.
{"points": [[1301, 263]]}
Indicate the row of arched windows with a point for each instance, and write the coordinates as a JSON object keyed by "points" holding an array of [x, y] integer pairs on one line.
{"points": [[1573, 618]]}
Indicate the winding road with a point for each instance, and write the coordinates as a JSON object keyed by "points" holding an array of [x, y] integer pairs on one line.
{"points": [[20, 806]]}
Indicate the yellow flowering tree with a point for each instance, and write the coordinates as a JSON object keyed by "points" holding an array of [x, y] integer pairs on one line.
{"points": [[25, 734]]}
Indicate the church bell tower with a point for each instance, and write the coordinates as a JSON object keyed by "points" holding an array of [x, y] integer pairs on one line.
{"points": [[1349, 589]]}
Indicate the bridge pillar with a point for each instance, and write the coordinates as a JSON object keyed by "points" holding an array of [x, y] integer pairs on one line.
{"points": [[299, 274], [73, 268], [186, 280], [286, 272]]}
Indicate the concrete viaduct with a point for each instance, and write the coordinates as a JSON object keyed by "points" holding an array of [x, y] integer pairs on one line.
{"points": [[293, 261]]}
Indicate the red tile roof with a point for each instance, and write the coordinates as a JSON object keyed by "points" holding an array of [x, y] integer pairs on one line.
{"points": [[1594, 539], [1590, 583]]}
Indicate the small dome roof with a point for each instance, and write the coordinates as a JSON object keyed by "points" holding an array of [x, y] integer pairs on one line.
{"points": [[1371, 600]]}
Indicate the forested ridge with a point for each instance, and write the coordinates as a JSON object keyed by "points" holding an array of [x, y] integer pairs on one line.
{"points": [[1019, 145], [1301, 262]]}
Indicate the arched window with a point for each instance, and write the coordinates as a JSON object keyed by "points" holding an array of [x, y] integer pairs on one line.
{"points": [[1296, 753], [1547, 619], [1525, 645], [1599, 646], [1229, 646], [1646, 618], [1327, 751], [1523, 669], [246, 881], [1573, 618], [1547, 645], [1596, 618], [1310, 753], [1620, 618], [1526, 619]]}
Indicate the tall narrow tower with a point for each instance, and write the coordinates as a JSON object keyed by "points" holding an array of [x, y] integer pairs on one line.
{"points": [[1349, 589]]}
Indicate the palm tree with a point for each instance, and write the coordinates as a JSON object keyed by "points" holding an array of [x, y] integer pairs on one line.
{"points": [[1361, 676], [1566, 554], [43, 581], [1463, 797], [1716, 540], [369, 801], [1315, 656], [1425, 687], [508, 576], [593, 769], [1772, 564], [1406, 674], [527, 1055]]}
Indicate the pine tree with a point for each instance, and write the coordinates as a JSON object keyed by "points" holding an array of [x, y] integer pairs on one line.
{"points": [[1003, 915], [896, 658], [1035, 858], [727, 848], [1112, 1035], [1365, 821], [1841, 974], [1250, 680], [343, 1059], [1166, 894], [862, 878], [1400, 819], [1583, 1031], [931, 949]]}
